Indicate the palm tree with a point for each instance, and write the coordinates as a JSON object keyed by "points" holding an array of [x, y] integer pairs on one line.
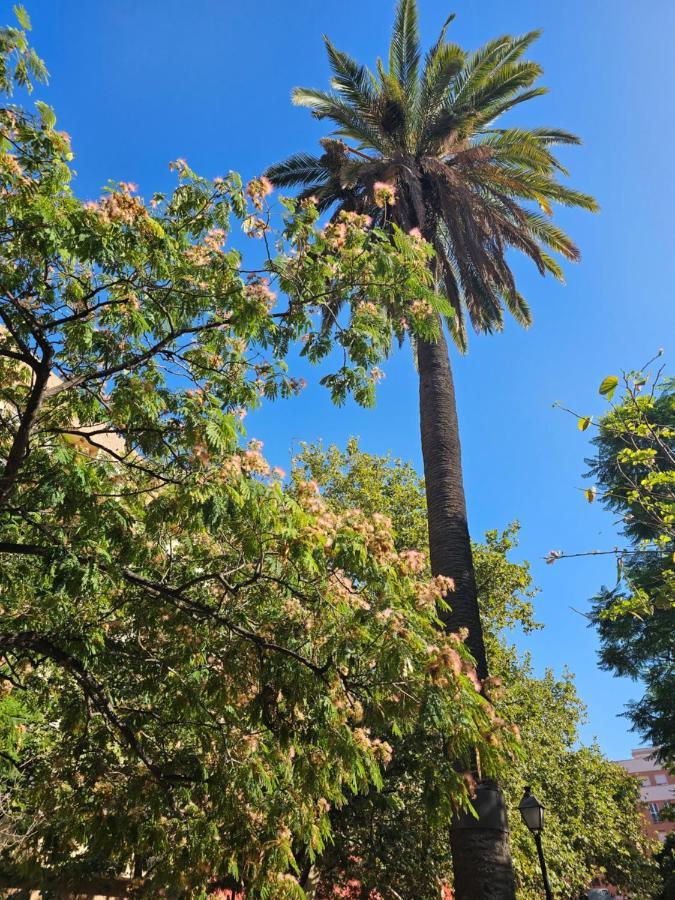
{"points": [[426, 129]]}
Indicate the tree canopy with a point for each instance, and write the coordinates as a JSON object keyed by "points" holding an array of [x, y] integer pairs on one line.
{"points": [[418, 143], [391, 842], [209, 676], [196, 665], [634, 470]]}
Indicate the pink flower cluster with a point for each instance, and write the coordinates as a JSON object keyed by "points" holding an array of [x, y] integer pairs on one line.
{"points": [[381, 750], [254, 226], [214, 240], [309, 497], [356, 220], [375, 530], [368, 309], [444, 664], [343, 590], [253, 462], [335, 234], [259, 292], [119, 206], [431, 592], [11, 165], [325, 523], [198, 255], [257, 189], [248, 462], [384, 194], [414, 561], [178, 165], [421, 309]]}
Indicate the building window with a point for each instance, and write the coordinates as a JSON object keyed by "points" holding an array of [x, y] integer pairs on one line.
{"points": [[645, 781], [654, 812], [661, 779]]}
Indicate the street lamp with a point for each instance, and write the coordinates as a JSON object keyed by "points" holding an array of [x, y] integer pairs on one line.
{"points": [[532, 812]]}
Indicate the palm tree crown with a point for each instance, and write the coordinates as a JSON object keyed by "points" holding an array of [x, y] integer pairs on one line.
{"points": [[426, 129]]}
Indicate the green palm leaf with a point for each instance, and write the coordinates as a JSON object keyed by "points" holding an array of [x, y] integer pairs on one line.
{"points": [[301, 168], [404, 50], [475, 190]]}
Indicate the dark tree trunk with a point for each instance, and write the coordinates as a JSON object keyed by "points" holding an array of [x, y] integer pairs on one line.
{"points": [[449, 543], [480, 848]]}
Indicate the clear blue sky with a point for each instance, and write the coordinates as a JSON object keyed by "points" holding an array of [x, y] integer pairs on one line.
{"points": [[140, 82]]}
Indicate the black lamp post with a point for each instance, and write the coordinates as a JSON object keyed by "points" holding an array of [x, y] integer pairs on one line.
{"points": [[532, 812]]}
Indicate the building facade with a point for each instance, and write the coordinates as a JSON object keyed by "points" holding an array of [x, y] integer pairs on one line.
{"points": [[657, 789]]}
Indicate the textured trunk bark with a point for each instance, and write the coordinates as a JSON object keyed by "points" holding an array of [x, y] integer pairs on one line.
{"points": [[481, 853], [480, 848], [449, 542]]}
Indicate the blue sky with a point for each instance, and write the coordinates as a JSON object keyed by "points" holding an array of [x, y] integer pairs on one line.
{"points": [[140, 82]]}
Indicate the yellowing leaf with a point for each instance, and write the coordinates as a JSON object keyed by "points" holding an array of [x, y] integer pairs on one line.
{"points": [[47, 115], [590, 494], [544, 204], [583, 423], [608, 386], [22, 16]]}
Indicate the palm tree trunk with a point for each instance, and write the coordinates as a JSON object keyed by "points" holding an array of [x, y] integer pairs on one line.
{"points": [[480, 848]]}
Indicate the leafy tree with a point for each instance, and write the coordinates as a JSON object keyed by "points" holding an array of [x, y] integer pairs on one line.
{"points": [[416, 146], [392, 842], [642, 649], [196, 665], [666, 863], [634, 475]]}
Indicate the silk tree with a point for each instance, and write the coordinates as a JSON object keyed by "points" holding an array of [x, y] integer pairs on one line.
{"points": [[419, 143]]}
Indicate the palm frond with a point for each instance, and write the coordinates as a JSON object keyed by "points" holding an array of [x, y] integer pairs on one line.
{"points": [[351, 124], [404, 50], [528, 185], [551, 235], [545, 136], [493, 111], [301, 168], [552, 266], [519, 308], [489, 58], [353, 82], [501, 84], [440, 69], [491, 74], [442, 62], [472, 188], [517, 146], [440, 41]]}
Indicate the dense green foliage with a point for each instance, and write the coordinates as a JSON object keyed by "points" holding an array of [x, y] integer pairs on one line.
{"points": [[196, 665], [416, 144], [634, 474], [636, 618], [391, 841], [666, 862], [206, 674]]}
